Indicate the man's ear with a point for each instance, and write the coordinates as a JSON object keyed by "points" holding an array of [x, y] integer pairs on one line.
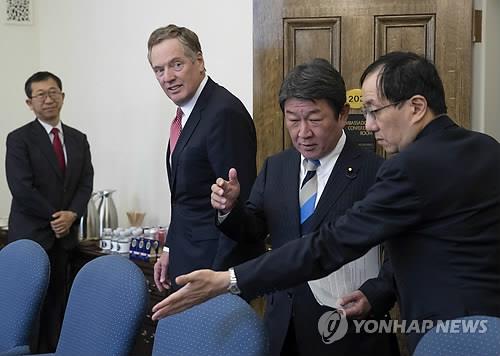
{"points": [[344, 113], [29, 103], [418, 107], [199, 58]]}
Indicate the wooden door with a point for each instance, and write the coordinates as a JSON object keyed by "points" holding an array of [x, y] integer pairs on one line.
{"points": [[352, 34]]}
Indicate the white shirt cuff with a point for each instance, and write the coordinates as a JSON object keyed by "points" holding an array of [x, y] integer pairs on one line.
{"points": [[221, 217]]}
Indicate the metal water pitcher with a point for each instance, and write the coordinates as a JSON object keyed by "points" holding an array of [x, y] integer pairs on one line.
{"points": [[106, 210], [88, 222]]}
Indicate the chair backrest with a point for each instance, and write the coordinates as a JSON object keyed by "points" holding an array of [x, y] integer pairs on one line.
{"points": [[223, 326], [24, 278], [106, 307], [468, 336]]}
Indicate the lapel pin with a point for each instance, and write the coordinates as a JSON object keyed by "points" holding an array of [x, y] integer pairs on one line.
{"points": [[350, 173]]}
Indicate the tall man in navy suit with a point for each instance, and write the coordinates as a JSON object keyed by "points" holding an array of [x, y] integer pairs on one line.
{"points": [[50, 176], [313, 100], [209, 120], [436, 202]]}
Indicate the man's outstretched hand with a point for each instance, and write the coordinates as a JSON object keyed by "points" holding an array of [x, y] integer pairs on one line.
{"points": [[198, 286]]}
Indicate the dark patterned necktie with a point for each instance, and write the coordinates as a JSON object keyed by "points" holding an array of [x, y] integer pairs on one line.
{"points": [[308, 190], [58, 149]]}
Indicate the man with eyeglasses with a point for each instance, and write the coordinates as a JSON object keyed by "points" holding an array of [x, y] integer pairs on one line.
{"points": [[436, 203], [50, 177]]}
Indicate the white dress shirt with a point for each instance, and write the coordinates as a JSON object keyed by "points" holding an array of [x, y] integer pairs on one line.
{"points": [[189, 106], [325, 168]]}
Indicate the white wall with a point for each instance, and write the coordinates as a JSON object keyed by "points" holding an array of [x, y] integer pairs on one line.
{"points": [[98, 48], [491, 27], [478, 78], [19, 58], [486, 76]]}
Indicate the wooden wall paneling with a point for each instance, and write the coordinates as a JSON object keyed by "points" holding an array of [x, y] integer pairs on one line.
{"points": [[268, 75], [454, 57]]}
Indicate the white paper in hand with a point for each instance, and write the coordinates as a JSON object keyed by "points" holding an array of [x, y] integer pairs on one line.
{"points": [[328, 290]]}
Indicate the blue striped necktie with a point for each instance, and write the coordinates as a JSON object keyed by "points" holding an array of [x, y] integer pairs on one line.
{"points": [[308, 190]]}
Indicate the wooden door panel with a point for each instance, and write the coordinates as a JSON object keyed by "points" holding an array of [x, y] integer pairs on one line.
{"points": [[306, 39], [408, 33], [267, 77], [357, 51]]}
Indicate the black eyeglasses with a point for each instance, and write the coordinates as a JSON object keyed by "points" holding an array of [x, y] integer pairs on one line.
{"points": [[54, 95], [371, 113]]}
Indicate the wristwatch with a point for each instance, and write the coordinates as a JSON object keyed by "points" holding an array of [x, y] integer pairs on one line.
{"points": [[233, 283]]}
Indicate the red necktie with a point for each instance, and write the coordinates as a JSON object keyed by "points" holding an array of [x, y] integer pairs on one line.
{"points": [[175, 129], [58, 149]]}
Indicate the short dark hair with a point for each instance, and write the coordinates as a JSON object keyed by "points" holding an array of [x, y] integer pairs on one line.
{"points": [[186, 37], [404, 74], [40, 77], [314, 80]]}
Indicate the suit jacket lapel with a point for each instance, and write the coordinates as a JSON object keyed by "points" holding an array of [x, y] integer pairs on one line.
{"points": [[41, 139], [339, 179], [169, 167], [189, 127], [291, 171]]}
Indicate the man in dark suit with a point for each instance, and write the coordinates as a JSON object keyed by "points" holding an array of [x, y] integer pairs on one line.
{"points": [[50, 176], [313, 100], [436, 202], [209, 120]]}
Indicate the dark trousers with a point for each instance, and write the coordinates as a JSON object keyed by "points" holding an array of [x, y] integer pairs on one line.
{"points": [[352, 345], [290, 347], [303, 337], [46, 336]]}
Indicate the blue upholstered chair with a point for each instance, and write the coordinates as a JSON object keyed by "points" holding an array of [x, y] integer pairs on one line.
{"points": [[24, 277], [484, 341], [222, 326], [106, 307]]}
